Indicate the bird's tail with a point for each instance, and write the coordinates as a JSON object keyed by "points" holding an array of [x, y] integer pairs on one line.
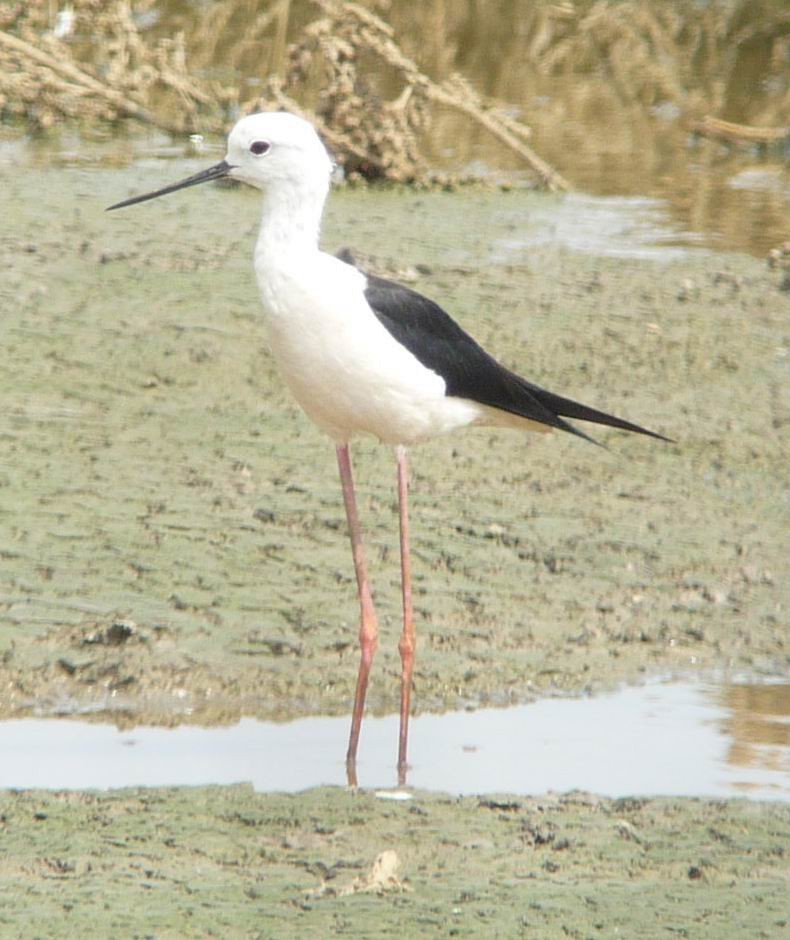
{"points": [[566, 408]]}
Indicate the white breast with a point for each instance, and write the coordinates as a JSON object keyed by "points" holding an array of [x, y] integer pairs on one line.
{"points": [[343, 366]]}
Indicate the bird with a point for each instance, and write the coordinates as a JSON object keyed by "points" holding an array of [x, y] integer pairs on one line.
{"points": [[365, 355]]}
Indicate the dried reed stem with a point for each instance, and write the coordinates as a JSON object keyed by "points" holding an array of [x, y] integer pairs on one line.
{"points": [[710, 126]]}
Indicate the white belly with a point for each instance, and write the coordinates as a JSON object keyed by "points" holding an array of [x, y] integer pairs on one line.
{"points": [[343, 366]]}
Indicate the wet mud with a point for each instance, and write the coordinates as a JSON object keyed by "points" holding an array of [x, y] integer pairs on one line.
{"points": [[173, 549], [224, 861], [173, 540]]}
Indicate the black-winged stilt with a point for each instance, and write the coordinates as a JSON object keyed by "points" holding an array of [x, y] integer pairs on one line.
{"points": [[364, 355]]}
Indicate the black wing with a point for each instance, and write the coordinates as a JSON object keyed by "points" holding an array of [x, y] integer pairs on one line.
{"points": [[440, 344]]}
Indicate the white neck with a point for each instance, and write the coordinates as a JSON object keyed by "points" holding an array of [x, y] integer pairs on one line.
{"points": [[291, 220]]}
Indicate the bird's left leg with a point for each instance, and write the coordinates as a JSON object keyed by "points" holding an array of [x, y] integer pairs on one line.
{"points": [[408, 640], [368, 626]]}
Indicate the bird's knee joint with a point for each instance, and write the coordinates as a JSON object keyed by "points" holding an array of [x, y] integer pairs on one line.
{"points": [[406, 647]]}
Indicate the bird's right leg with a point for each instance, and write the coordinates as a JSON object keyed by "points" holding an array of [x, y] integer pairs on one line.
{"points": [[408, 639], [369, 628]]}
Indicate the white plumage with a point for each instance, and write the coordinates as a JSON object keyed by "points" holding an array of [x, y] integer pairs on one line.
{"points": [[344, 368]]}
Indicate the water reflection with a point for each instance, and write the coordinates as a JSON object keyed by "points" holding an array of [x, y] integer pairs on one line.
{"points": [[681, 738], [614, 227], [611, 91], [758, 725]]}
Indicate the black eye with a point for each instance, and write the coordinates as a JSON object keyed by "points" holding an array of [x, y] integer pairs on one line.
{"points": [[259, 147]]}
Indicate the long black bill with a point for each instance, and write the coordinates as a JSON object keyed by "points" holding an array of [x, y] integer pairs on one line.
{"points": [[215, 172]]}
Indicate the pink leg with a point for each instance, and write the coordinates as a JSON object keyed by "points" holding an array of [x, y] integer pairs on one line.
{"points": [[408, 640], [369, 628]]}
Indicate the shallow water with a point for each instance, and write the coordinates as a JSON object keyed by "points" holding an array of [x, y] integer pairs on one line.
{"points": [[606, 226], [673, 738]]}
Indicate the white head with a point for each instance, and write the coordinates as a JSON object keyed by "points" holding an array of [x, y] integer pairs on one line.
{"points": [[271, 150], [277, 147]]}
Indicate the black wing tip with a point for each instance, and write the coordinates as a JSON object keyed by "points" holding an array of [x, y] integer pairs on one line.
{"points": [[568, 408], [657, 436], [570, 429], [620, 426], [623, 425], [563, 425]]}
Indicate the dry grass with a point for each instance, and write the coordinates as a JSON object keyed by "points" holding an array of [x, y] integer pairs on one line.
{"points": [[45, 78], [342, 65], [372, 101]]}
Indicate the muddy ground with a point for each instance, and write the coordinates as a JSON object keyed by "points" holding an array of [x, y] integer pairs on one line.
{"points": [[173, 548], [226, 862], [172, 529]]}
